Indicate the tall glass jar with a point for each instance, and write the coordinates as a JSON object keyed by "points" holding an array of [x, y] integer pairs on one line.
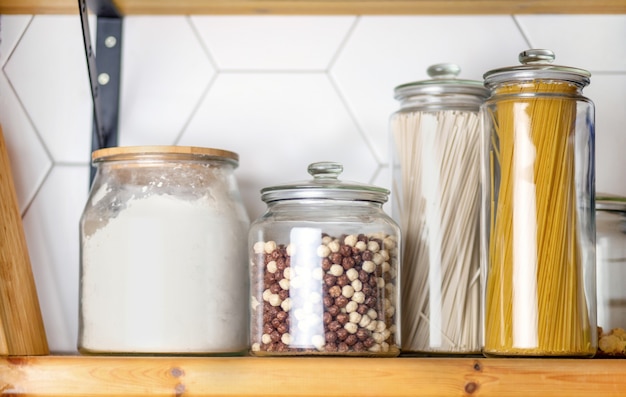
{"points": [[324, 269], [164, 254], [539, 223], [611, 274], [435, 140]]}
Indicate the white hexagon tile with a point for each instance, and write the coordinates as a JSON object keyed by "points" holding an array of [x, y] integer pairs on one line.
{"points": [[164, 74], [48, 72], [29, 160], [273, 42]]}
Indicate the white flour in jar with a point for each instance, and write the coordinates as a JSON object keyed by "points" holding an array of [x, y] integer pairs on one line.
{"points": [[166, 275]]}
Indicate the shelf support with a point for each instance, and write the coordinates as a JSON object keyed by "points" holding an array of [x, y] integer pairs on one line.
{"points": [[104, 70]]}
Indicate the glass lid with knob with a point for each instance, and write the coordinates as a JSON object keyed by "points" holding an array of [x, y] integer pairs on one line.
{"points": [[537, 64], [444, 79], [325, 185]]}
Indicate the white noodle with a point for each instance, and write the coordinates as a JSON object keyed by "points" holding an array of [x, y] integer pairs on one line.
{"points": [[437, 185]]}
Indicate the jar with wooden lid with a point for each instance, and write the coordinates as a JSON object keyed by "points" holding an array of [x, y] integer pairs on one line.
{"points": [[164, 254], [435, 140], [324, 269], [611, 274], [538, 211]]}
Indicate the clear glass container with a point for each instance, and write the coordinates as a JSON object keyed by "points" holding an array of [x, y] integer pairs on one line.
{"points": [[611, 274], [324, 269], [435, 140], [538, 211], [164, 254]]}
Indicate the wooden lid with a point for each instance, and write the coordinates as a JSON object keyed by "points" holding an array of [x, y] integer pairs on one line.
{"points": [[120, 152]]}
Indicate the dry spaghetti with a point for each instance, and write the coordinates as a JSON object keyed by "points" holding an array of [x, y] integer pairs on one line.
{"points": [[535, 302]]}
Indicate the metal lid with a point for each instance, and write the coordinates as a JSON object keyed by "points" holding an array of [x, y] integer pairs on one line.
{"points": [[610, 202], [132, 152], [444, 81], [325, 185], [537, 64]]}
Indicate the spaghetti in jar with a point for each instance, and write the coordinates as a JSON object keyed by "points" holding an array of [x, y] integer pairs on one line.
{"points": [[435, 136], [538, 251]]}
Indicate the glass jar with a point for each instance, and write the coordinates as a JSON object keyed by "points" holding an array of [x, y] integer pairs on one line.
{"points": [[539, 228], [164, 254], [324, 269], [435, 140], [611, 274]]}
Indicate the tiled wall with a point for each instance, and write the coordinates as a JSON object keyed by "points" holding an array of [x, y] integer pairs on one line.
{"points": [[281, 91]]}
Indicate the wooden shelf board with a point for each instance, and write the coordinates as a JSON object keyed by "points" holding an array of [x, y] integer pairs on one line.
{"points": [[326, 7], [309, 376]]}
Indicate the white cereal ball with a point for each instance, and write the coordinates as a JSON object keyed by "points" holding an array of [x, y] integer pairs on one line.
{"points": [[254, 303], [381, 326], [275, 300], [390, 311], [375, 348], [259, 247], [286, 305], [357, 285], [368, 266], [378, 337], [350, 240], [385, 347], [372, 325], [287, 273], [347, 291], [317, 274], [373, 314], [269, 247], [386, 267], [377, 258], [291, 249], [385, 255], [265, 338], [284, 283], [286, 338], [272, 267], [365, 321], [352, 274], [318, 341], [334, 246], [354, 318], [390, 242], [373, 246], [256, 347], [323, 251], [326, 240], [351, 307], [336, 270], [361, 246], [358, 297], [380, 282], [266, 295], [351, 327]]}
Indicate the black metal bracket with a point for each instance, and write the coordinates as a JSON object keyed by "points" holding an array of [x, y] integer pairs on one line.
{"points": [[104, 70]]}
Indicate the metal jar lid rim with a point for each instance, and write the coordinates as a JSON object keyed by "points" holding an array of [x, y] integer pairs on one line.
{"points": [[325, 185], [537, 64], [124, 152], [443, 81]]}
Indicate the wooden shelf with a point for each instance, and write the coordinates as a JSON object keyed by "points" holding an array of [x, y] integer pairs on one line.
{"points": [[325, 7], [309, 376]]}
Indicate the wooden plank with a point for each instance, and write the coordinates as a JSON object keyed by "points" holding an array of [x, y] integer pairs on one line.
{"points": [[309, 376], [326, 7]]}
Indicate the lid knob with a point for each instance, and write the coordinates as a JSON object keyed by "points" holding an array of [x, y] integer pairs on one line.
{"points": [[533, 56], [325, 170], [443, 71]]}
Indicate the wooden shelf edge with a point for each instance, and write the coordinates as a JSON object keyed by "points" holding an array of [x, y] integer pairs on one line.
{"points": [[326, 7], [308, 376]]}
